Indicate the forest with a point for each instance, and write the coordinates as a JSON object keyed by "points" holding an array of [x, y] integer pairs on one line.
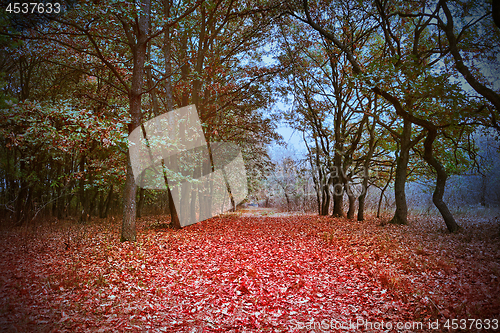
{"points": [[386, 218]]}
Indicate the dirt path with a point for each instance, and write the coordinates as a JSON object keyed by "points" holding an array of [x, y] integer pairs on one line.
{"points": [[260, 212]]}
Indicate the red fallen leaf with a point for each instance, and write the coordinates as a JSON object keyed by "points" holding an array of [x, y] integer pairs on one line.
{"points": [[297, 285], [64, 317], [242, 290]]}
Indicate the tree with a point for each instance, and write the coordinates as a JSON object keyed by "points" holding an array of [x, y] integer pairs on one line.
{"points": [[416, 63], [101, 57], [472, 42], [324, 104], [367, 159], [229, 98]]}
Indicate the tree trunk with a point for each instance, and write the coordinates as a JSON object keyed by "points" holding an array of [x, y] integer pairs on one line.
{"points": [[22, 197], [325, 197], [193, 205], [174, 218], [305, 199], [60, 203], [495, 12], [352, 201], [437, 196], [318, 199], [169, 99], [59, 193], [287, 201], [105, 209], [366, 174], [338, 179], [317, 181], [81, 192], [361, 201], [139, 50], [140, 203], [338, 199], [383, 191], [93, 208], [54, 194], [401, 213], [129, 209]]}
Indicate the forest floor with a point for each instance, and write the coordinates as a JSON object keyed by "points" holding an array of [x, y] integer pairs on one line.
{"points": [[251, 271]]}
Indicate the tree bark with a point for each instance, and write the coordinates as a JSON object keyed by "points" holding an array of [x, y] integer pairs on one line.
{"points": [[22, 197], [140, 204], [167, 55], [287, 200], [361, 200], [352, 201], [174, 218], [129, 208], [107, 203], [401, 213], [383, 191], [338, 186], [139, 49], [338, 178], [325, 195], [338, 200], [366, 175], [437, 196], [82, 193], [93, 208]]}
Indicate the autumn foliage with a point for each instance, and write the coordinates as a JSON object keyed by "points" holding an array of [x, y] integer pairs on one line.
{"points": [[243, 273]]}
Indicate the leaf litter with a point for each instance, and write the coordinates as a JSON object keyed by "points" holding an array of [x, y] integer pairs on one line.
{"points": [[243, 274]]}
